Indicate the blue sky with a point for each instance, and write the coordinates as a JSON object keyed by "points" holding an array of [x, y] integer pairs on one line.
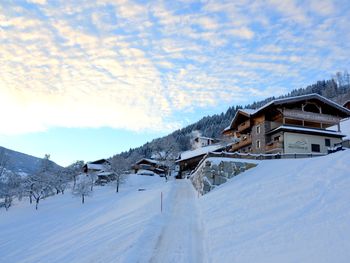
{"points": [[87, 79]]}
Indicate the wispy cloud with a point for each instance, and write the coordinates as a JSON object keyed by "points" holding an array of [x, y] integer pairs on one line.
{"points": [[141, 66]]}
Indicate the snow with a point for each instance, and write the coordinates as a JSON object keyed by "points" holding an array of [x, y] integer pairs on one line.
{"points": [[200, 151], [345, 128], [145, 172], [109, 227], [294, 128], [97, 167], [181, 239], [148, 160], [248, 111], [287, 210]]}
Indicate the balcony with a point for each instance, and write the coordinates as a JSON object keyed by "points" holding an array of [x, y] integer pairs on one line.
{"points": [[311, 116], [271, 146], [243, 126], [245, 140]]}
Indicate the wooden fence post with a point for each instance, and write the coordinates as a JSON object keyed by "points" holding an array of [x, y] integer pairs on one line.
{"points": [[161, 202]]}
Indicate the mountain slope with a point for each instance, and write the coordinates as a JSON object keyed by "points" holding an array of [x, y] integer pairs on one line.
{"points": [[21, 163], [282, 211], [212, 126]]}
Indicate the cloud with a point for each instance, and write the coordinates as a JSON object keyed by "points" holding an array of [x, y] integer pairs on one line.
{"points": [[40, 2], [143, 66]]}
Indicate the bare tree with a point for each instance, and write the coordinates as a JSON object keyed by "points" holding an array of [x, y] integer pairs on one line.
{"points": [[74, 170], [119, 166], [3, 161], [165, 152], [59, 180], [10, 187], [39, 184], [82, 188]]}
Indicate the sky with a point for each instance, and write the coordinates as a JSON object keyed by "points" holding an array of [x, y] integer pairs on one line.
{"points": [[83, 80]]}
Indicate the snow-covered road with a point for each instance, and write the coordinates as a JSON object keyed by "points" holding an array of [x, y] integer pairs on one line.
{"points": [[181, 239]]}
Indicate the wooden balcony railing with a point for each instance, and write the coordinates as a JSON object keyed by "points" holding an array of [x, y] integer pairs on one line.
{"points": [[245, 140], [243, 126], [273, 146], [310, 116]]}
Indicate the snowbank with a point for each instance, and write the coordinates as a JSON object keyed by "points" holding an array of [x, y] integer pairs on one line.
{"points": [[294, 210]]}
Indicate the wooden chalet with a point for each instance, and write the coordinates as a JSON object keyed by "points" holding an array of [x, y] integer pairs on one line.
{"points": [[150, 165], [101, 169], [95, 166], [189, 160], [290, 125]]}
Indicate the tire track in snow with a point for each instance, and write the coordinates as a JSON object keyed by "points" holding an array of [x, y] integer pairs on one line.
{"points": [[181, 239]]}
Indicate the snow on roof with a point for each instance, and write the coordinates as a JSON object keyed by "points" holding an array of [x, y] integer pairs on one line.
{"points": [[92, 166], [303, 97], [200, 151], [204, 138], [227, 128], [148, 160], [293, 128], [105, 174], [248, 111]]}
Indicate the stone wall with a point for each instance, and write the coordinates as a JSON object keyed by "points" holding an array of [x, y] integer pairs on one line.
{"points": [[210, 175]]}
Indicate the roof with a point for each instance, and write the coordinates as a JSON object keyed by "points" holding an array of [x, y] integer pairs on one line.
{"points": [[200, 151], [147, 160], [93, 166], [251, 112], [346, 102], [308, 130], [305, 97], [204, 138], [101, 161]]}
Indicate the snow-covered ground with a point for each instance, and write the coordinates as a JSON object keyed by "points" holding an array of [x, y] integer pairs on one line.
{"points": [[294, 210], [109, 227], [282, 211]]}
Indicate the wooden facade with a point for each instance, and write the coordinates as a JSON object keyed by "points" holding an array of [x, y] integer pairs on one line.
{"points": [[293, 124], [150, 165]]}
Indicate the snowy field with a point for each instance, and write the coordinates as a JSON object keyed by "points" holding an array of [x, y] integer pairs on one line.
{"points": [[109, 227], [280, 211]]}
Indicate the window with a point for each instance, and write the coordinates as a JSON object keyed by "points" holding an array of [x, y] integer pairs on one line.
{"points": [[315, 148], [258, 129], [258, 144], [277, 139], [327, 142]]}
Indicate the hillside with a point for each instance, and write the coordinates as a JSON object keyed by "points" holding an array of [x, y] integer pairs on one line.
{"points": [[282, 211], [21, 163], [212, 126]]}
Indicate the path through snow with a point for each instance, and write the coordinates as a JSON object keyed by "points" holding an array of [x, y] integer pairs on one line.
{"points": [[181, 239]]}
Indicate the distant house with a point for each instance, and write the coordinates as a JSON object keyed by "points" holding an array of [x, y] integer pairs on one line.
{"points": [[101, 169], [290, 125], [201, 141], [188, 160], [147, 166], [347, 105]]}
